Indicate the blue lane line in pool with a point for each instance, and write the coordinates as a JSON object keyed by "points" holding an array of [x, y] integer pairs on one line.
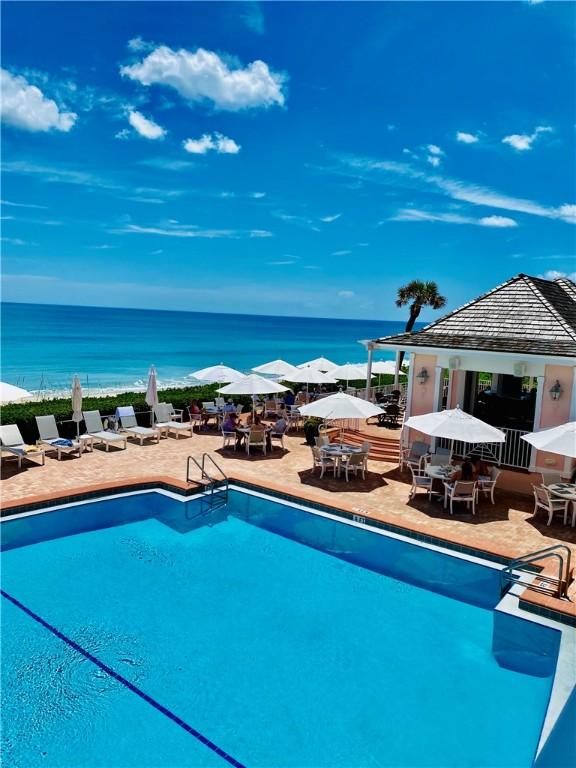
{"points": [[156, 704]]}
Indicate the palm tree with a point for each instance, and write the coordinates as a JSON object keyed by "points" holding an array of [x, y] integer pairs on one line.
{"points": [[418, 294]]}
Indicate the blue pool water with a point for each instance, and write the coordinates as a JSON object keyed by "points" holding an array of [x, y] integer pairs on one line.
{"points": [[131, 637]]}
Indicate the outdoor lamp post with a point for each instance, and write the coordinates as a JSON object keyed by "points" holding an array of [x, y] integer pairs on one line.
{"points": [[555, 390], [423, 376]]}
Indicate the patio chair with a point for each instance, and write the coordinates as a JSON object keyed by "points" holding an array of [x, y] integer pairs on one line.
{"points": [[11, 440], [95, 431], [239, 409], [437, 460], [550, 478], [461, 490], [50, 437], [445, 453], [229, 438], [279, 436], [176, 414], [420, 480], [487, 485], [127, 418], [321, 440], [413, 456], [366, 446], [194, 418], [165, 423], [543, 499], [208, 404], [256, 438], [270, 408], [355, 462], [323, 461], [220, 402]]}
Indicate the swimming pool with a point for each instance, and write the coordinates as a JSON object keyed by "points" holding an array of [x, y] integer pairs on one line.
{"points": [[134, 634]]}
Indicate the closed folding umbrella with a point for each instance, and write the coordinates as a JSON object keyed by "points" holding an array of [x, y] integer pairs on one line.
{"points": [[220, 374], [319, 364], [275, 368], [560, 439], [10, 394], [76, 403], [456, 424], [152, 390]]}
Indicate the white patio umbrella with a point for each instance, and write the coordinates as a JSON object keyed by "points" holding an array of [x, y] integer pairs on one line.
{"points": [[220, 374], [76, 402], [349, 372], [455, 424], [383, 366], [10, 394], [252, 385], [310, 376], [560, 439], [275, 368], [341, 406], [319, 364], [152, 391]]}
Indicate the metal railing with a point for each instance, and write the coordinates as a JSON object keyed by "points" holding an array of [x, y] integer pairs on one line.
{"points": [[514, 452], [215, 493], [557, 585]]}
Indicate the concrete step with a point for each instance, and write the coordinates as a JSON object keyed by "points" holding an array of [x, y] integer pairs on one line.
{"points": [[381, 448]]}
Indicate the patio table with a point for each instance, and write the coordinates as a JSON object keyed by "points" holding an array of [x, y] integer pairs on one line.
{"points": [[339, 451], [442, 473], [565, 491]]}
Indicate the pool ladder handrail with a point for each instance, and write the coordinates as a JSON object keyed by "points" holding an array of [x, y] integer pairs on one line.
{"points": [[522, 563], [215, 489]]}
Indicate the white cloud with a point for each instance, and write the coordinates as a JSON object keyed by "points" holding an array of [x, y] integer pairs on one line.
{"points": [[167, 163], [523, 141], [258, 195], [102, 247], [138, 44], [434, 150], [253, 17], [144, 126], [467, 138], [341, 253], [497, 221], [173, 229], [346, 294], [203, 75], [215, 142], [13, 241], [414, 214], [282, 263], [330, 219], [21, 205], [433, 160], [554, 274], [568, 213], [25, 106]]}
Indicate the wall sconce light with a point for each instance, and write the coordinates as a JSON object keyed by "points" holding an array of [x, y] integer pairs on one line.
{"points": [[423, 376], [555, 391]]}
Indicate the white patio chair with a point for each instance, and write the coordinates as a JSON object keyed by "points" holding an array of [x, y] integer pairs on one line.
{"points": [[420, 480], [543, 499], [166, 424], [229, 438], [209, 404], [176, 414], [366, 446], [487, 485], [11, 440], [96, 433], [436, 460], [461, 490], [256, 438], [50, 437], [220, 402], [414, 456], [278, 436], [127, 418], [355, 462], [323, 461], [239, 409], [551, 478], [195, 419], [321, 441]]}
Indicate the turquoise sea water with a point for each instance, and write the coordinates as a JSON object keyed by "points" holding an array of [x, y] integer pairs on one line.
{"points": [[44, 345], [121, 640]]}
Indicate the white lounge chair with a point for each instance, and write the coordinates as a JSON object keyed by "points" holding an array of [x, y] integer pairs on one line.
{"points": [[95, 431], [127, 418], [166, 424], [50, 437], [11, 440]]}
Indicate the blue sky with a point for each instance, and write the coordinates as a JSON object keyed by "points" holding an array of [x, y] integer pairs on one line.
{"points": [[284, 158]]}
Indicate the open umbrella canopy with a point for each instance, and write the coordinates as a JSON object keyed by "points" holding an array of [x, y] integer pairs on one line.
{"points": [[252, 385], [152, 388], [560, 439], [221, 374], [10, 394], [310, 376], [349, 372], [341, 406], [275, 368], [455, 424], [319, 364]]}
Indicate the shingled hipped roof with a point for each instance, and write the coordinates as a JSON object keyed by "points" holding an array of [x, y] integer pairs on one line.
{"points": [[525, 315]]}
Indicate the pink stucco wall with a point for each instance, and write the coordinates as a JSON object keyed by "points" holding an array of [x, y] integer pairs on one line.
{"points": [[453, 394], [422, 394], [554, 412]]}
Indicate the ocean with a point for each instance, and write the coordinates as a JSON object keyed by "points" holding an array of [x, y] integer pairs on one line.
{"points": [[112, 349]]}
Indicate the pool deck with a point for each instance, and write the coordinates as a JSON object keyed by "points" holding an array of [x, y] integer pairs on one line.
{"points": [[504, 530]]}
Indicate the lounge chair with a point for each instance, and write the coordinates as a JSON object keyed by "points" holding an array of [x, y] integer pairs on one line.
{"points": [[95, 431], [11, 441], [50, 437], [127, 418], [166, 424]]}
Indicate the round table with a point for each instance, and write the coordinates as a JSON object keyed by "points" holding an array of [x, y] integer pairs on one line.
{"points": [[339, 450], [566, 491], [442, 473]]}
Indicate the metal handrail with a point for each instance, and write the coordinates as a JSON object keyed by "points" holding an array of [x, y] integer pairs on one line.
{"points": [[212, 484], [521, 563]]}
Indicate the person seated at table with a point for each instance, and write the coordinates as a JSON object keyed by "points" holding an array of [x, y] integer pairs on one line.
{"points": [[279, 426], [195, 408], [230, 424], [229, 406], [481, 469], [289, 398], [464, 472]]}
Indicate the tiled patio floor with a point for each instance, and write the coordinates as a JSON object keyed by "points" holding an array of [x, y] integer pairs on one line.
{"points": [[508, 528]]}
